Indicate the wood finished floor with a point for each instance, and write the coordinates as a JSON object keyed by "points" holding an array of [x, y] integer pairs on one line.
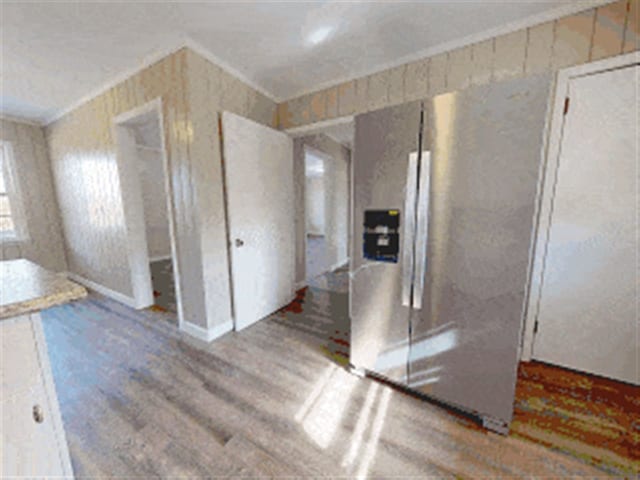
{"points": [[141, 400], [585, 415]]}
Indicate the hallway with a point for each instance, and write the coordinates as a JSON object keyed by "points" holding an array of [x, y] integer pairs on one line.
{"points": [[316, 256]]}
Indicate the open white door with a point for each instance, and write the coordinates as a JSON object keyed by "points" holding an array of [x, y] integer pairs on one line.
{"points": [[258, 163]]}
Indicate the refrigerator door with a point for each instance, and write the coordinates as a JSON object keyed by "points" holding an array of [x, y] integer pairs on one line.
{"points": [[487, 148], [385, 176]]}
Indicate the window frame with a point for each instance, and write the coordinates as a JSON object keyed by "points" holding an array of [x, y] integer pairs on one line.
{"points": [[14, 195]]}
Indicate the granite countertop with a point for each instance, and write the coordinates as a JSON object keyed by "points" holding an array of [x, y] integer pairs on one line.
{"points": [[27, 287]]}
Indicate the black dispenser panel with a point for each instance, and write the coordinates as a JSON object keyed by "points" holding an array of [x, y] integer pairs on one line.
{"points": [[381, 235]]}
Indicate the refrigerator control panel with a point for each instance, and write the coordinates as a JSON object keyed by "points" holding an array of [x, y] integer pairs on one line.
{"points": [[381, 241]]}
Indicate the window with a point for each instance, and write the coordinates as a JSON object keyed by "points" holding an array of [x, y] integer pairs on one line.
{"points": [[11, 227]]}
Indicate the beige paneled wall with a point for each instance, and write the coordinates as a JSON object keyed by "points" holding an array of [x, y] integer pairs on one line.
{"points": [[336, 182], [211, 90], [44, 244], [85, 167], [593, 34]]}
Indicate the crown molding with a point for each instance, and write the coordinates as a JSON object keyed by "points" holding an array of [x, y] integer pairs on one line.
{"points": [[208, 55], [124, 75], [317, 127], [25, 121], [530, 21], [188, 42], [185, 42]]}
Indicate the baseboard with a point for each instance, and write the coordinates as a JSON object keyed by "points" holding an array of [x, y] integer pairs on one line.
{"points": [[160, 258], [207, 335], [338, 265], [117, 296], [303, 283]]}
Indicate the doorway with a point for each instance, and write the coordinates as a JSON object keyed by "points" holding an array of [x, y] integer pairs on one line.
{"points": [[585, 280], [315, 193], [148, 208], [322, 173]]}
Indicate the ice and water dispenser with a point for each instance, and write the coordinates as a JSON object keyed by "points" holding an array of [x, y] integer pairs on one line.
{"points": [[381, 240]]}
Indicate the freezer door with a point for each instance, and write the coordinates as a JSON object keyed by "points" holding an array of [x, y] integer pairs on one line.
{"points": [[385, 176], [487, 146]]}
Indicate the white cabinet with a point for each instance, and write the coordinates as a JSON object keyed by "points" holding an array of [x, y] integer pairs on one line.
{"points": [[33, 440]]}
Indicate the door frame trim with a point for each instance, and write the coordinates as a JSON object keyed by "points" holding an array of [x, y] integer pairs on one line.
{"points": [[142, 286], [547, 184], [317, 127]]}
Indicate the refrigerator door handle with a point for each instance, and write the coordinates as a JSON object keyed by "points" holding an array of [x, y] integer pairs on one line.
{"points": [[409, 228], [422, 229]]}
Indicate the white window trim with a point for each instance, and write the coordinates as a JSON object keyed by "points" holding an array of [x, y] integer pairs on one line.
{"points": [[16, 200]]}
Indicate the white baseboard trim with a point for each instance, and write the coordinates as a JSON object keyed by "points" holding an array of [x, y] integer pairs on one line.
{"points": [[332, 268], [207, 335], [160, 258], [339, 264], [117, 296]]}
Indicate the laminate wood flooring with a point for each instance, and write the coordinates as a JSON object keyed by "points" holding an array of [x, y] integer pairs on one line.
{"points": [[139, 399]]}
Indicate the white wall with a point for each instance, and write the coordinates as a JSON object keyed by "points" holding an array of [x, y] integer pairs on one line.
{"points": [[315, 204], [337, 208], [154, 202], [44, 243]]}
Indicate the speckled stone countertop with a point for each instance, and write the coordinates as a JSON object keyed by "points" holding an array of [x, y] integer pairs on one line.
{"points": [[27, 287]]}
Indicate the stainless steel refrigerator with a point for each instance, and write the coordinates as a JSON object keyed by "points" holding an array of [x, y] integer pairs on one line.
{"points": [[444, 203]]}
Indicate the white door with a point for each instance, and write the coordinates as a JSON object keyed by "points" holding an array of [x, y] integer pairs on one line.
{"points": [[258, 164], [587, 310]]}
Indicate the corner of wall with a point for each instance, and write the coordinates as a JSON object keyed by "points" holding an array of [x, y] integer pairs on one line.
{"points": [[207, 334]]}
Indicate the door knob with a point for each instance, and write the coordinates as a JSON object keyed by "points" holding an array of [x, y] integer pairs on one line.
{"points": [[38, 414], [239, 242]]}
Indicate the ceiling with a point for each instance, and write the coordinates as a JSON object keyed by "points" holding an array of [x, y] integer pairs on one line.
{"points": [[54, 54]]}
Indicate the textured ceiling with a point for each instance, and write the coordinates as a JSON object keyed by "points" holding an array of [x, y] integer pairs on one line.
{"points": [[56, 53]]}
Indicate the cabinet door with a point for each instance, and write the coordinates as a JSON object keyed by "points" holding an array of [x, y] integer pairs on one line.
{"points": [[19, 368], [29, 444], [31, 433]]}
